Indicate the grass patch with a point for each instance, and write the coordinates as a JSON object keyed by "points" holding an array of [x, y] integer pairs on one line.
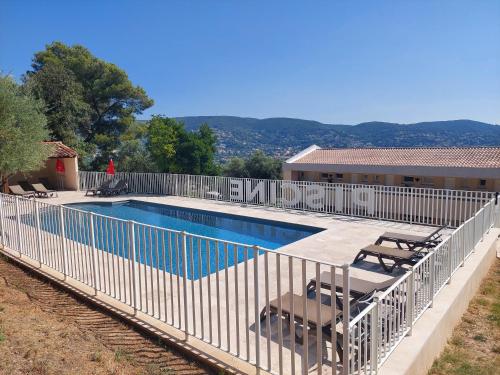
{"points": [[121, 355], [473, 348], [494, 316], [2, 335]]}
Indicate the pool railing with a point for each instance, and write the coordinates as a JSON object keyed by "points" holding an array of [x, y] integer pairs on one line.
{"points": [[411, 205], [151, 270]]}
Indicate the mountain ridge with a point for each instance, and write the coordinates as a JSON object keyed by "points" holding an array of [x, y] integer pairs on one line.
{"points": [[283, 136]]}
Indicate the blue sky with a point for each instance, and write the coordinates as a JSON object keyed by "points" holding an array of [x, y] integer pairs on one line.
{"points": [[331, 61]]}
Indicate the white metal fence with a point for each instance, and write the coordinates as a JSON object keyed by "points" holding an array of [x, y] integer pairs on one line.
{"points": [[218, 290], [211, 289], [406, 204], [378, 330]]}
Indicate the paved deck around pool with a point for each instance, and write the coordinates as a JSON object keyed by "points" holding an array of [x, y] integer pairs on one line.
{"points": [[338, 243]]}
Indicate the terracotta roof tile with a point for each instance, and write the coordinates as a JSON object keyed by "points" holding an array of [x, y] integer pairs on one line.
{"points": [[60, 150], [459, 157]]}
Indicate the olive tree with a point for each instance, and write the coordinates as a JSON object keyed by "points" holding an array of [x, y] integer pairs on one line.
{"points": [[22, 130]]}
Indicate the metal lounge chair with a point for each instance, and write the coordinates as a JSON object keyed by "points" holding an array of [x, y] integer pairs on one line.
{"points": [[359, 288], [18, 190], [120, 187], [412, 241], [288, 299], [45, 181], [398, 256], [325, 311], [42, 191], [99, 189]]}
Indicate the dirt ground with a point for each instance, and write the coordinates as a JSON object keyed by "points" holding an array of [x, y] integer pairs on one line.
{"points": [[44, 330], [474, 348]]}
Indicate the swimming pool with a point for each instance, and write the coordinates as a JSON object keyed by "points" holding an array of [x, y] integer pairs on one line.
{"points": [[203, 257], [265, 233]]}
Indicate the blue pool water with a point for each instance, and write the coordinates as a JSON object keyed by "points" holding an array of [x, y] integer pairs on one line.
{"points": [[265, 233], [158, 250]]}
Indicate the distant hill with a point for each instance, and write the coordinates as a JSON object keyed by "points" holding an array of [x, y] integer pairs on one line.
{"points": [[282, 137]]}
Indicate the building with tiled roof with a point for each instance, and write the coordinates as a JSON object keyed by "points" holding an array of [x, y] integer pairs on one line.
{"points": [[65, 179], [60, 150], [470, 168]]}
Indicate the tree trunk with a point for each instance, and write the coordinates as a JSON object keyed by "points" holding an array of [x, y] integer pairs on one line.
{"points": [[4, 181]]}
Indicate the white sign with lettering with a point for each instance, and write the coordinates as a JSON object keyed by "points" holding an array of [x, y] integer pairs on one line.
{"points": [[292, 195]]}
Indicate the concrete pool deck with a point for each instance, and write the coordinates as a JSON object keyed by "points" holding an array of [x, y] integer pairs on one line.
{"points": [[338, 243]]}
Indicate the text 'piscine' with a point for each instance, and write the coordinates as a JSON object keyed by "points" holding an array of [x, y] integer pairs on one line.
{"points": [[290, 194]]}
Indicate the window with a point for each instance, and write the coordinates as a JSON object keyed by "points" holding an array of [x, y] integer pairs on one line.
{"points": [[482, 183], [365, 178], [324, 175], [377, 178], [339, 176], [408, 179]]}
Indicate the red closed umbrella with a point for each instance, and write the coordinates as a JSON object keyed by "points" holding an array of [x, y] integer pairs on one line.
{"points": [[111, 168], [59, 166]]}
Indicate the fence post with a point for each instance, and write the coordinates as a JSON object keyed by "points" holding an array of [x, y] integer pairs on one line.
{"points": [[184, 281], [410, 300], [374, 337], [18, 225], [131, 244], [432, 274], [462, 244], [256, 306], [474, 233], [450, 271], [346, 315], [38, 233], [483, 230], [63, 240], [94, 251], [2, 230]]}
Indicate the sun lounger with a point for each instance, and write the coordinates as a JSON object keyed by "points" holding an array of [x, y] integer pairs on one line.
{"points": [[42, 191], [288, 300], [325, 324], [412, 241], [358, 288], [25, 185], [99, 189], [120, 187], [45, 181], [18, 190], [398, 256]]}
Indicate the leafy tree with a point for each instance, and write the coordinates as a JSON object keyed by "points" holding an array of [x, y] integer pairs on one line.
{"points": [[89, 100], [163, 140], [22, 130], [257, 165], [133, 155], [68, 115], [235, 167], [196, 152], [176, 150]]}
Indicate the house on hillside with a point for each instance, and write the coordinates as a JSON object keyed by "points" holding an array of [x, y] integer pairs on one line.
{"points": [[467, 168]]}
